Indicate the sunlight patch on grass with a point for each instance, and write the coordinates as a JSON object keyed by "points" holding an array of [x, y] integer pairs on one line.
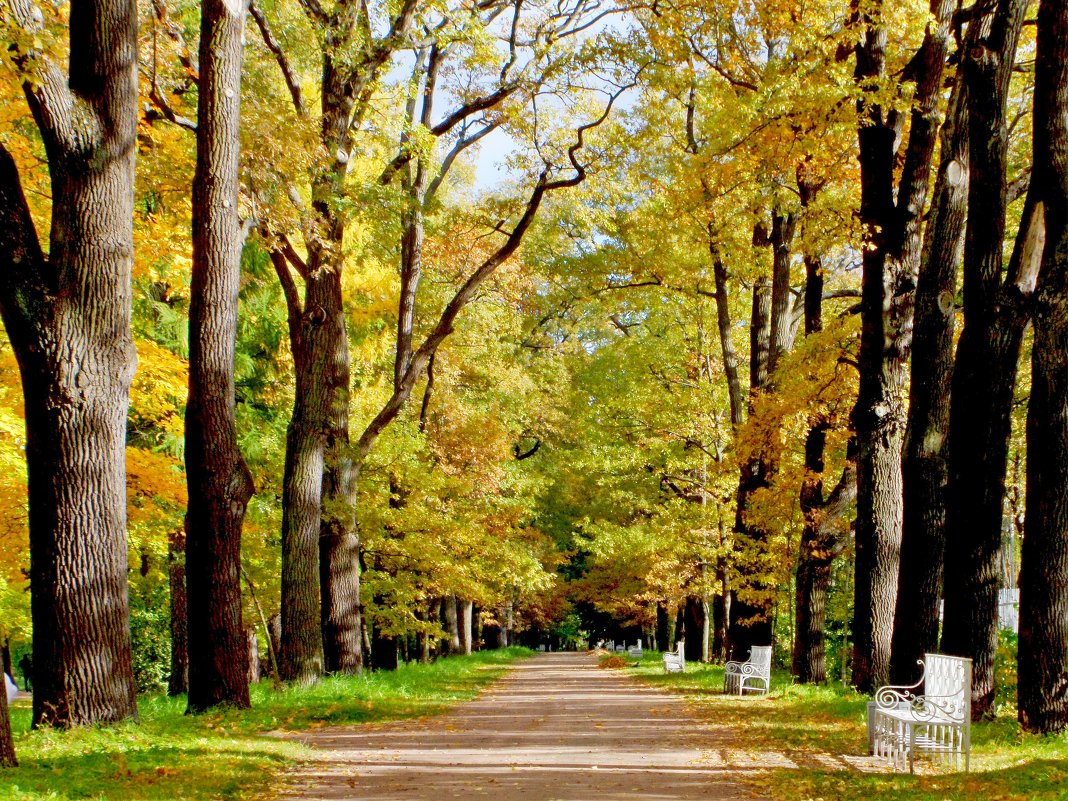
{"points": [[229, 754], [806, 722]]}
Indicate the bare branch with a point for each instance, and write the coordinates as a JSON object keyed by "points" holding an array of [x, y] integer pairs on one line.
{"points": [[291, 79]]}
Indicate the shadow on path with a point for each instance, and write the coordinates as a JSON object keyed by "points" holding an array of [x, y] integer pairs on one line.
{"points": [[555, 728]]}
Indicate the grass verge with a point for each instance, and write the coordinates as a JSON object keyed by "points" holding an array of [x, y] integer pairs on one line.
{"points": [[815, 727], [171, 756]]}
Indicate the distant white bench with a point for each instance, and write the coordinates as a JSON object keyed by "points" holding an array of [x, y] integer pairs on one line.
{"points": [[635, 651], [754, 675], [675, 661], [933, 716]]}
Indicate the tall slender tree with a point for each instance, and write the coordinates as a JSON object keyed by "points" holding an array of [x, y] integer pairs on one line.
{"points": [[996, 309], [220, 484], [1043, 665], [925, 460], [68, 317], [892, 216]]}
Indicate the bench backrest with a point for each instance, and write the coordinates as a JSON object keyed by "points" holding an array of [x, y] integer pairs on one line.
{"points": [[760, 657], [947, 684]]}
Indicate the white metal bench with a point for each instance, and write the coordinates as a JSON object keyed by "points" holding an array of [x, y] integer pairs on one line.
{"points": [[675, 661], [754, 675], [934, 715], [635, 651]]}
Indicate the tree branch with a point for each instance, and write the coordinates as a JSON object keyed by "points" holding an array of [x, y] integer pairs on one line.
{"points": [[291, 79], [27, 282]]}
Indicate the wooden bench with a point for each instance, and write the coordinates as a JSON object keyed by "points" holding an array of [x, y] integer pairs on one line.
{"points": [[933, 716], [754, 675], [675, 661]]}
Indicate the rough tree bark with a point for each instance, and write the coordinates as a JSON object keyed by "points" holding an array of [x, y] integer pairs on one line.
{"points": [[452, 629], [996, 310], [1043, 664], [220, 483], [68, 319], [467, 622], [178, 683], [7, 740], [321, 626], [893, 222], [925, 459]]}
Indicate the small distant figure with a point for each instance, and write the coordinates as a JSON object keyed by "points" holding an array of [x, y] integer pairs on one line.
{"points": [[26, 666], [12, 688]]}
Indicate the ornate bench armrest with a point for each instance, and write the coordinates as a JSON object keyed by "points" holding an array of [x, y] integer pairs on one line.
{"points": [[953, 707], [735, 667]]}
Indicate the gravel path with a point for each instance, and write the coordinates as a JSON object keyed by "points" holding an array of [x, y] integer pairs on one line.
{"points": [[555, 728]]}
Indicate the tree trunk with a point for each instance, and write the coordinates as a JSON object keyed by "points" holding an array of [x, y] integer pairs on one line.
{"points": [[452, 629], [695, 628], [1043, 663], [723, 320], [984, 374], [823, 537], [750, 620], [220, 483], [721, 609], [252, 646], [924, 462], [300, 653], [383, 650], [467, 626], [813, 569], [178, 684], [782, 330], [68, 319], [890, 265], [662, 628], [7, 740]]}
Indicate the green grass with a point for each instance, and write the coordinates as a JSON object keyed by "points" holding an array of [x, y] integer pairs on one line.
{"points": [[805, 722], [171, 756]]}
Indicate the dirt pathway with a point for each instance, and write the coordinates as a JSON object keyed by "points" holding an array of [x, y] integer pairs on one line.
{"points": [[555, 728]]}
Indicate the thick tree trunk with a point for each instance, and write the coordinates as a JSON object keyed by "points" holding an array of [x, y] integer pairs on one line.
{"points": [[383, 650], [891, 261], [452, 628], [178, 684], [467, 626], [220, 483], [695, 629], [1043, 663], [68, 319], [924, 462], [301, 649], [984, 374]]}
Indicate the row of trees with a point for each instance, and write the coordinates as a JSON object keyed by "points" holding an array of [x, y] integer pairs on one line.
{"points": [[67, 308], [590, 416], [953, 215]]}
